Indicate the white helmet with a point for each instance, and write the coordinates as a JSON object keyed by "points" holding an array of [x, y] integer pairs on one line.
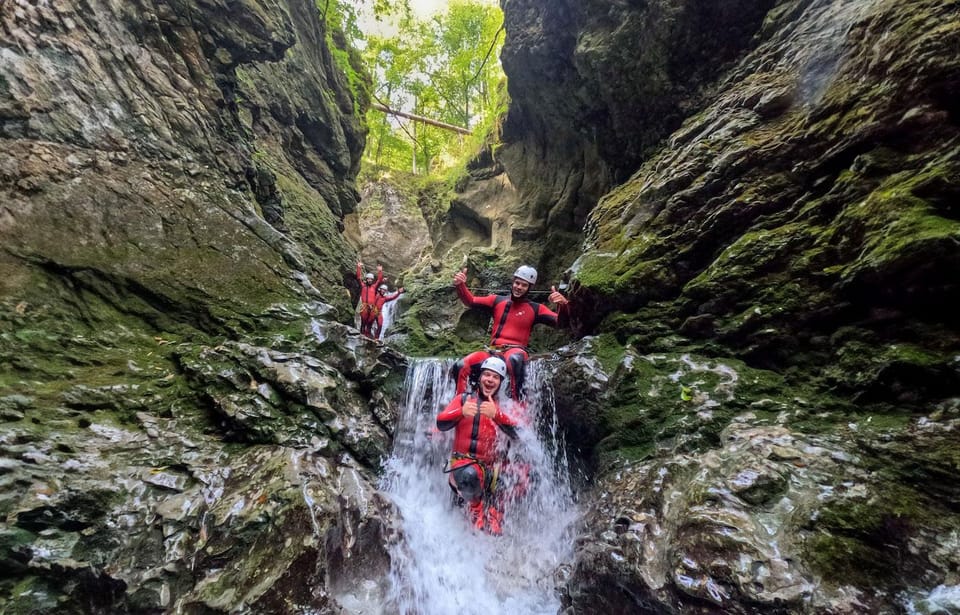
{"points": [[383, 288], [495, 364], [369, 277], [527, 274]]}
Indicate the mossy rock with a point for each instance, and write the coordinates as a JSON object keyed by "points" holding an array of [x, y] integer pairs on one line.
{"points": [[866, 541]]}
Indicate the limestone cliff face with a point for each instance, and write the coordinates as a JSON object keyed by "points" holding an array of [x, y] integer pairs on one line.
{"points": [[801, 215], [153, 145], [595, 86], [806, 216], [183, 427]]}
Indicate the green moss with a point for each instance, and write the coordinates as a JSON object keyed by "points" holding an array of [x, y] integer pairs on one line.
{"points": [[683, 402], [645, 406], [900, 228], [31, 594], [848, 560], [330, 260], [608, 351], [419, 341], [615, 457], [630, 275], [866, 540], [340, 21]]}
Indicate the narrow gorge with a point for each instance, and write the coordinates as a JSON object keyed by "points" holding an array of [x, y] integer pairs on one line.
{"points": [[753, 206]]}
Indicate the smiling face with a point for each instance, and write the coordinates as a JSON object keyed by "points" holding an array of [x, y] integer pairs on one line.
{"points": [[489, 382], [519, 288]]}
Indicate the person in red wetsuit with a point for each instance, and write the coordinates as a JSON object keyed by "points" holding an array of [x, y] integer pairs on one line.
{"points": [[513, 318], [381, 300], [475, 462], [368, 298]]}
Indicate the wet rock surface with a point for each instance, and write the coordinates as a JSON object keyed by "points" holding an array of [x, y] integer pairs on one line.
{"points": [[596, 85], [714, 497], [185, 426], [246, 490], [150, 139], [804, 210]]}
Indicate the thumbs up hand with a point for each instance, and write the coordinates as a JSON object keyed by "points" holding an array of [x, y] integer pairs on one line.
{"points": [[556, 297], [460, 277], [488, 409]]}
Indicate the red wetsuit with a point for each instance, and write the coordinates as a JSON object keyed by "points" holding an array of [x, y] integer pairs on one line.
{"points": [[382, 300], [475, 437], [477, 460], [368, 301], [513, 321]]}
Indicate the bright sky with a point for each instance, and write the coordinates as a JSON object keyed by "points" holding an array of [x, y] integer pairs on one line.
{"points": [[421, 8], [424, 8]]}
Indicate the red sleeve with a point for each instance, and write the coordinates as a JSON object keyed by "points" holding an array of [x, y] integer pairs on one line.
{"points": [[379, 278], [390, 297], [359, 274], [451, 415], [467, 298]]}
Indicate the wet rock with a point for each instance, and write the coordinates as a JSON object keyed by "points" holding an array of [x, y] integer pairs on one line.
{"points": [[594, 87], [751, 526], [12, 407], [579, 385], [700, 239], [266, 396], [392, 228]]}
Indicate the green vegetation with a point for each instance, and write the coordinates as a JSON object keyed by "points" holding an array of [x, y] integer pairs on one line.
{"points": [[446, 69], [341, 20]]}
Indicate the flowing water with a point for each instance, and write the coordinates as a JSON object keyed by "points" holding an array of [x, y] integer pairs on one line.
{"points": [[389, 312], [446, 566]]}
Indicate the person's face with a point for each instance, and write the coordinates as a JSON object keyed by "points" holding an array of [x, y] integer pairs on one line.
{"points": [[489, 381], [519, 288]]}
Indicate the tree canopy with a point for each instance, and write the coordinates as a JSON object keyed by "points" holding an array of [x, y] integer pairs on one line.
{"points": [[445, 68]]}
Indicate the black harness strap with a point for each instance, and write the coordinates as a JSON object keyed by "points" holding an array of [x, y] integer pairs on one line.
{"points": [[503, 317]]}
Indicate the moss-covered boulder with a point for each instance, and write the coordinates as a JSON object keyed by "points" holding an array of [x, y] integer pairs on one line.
{"points": [[768, 521]]}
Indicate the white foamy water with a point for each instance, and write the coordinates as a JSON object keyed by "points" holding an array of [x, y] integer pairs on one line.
{"points": [[444, 565], [389, 312], [941, 600]]}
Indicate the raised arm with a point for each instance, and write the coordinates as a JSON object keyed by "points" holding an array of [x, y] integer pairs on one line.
{"points": [[451, 415], [466, 297], [546, 316]]}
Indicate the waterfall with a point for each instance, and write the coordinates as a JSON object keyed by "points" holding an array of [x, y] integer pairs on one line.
{"points": [[443, 565], [389, 311]]}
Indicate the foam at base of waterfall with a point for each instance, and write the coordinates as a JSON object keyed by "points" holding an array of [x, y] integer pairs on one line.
{"points": [[444, 565]]}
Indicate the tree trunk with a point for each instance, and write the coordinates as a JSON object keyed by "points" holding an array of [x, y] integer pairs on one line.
{"points": [[420, 118]]}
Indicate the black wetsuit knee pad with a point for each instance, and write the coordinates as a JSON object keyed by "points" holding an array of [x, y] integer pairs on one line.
{"points": [[468, 482]]}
